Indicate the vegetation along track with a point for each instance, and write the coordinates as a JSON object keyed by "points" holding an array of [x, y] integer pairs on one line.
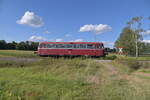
{"points": [[70, 79], [15, 59], [129, 85]]}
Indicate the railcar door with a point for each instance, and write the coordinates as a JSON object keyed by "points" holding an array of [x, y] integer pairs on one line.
{"points": [[69, 47], [70, 51], [97, 50]]}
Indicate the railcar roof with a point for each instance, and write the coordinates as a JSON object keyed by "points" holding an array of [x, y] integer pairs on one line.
{"points": [[71, 43]]}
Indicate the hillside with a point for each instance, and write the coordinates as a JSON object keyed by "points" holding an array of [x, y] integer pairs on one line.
{"points": [[24, 76]]}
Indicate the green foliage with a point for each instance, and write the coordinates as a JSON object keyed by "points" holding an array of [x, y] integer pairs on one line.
{"points": [[68, 79], [109, 50], [131, 37], [49, 79], [17, 53], [146, 48], [18, 46], [109, 57], [127, 41], [12, 46], [133, 63], [27, 46], [3, 44]]}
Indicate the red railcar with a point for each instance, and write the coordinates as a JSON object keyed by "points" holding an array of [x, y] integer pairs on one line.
{"points": [[95, 49]]}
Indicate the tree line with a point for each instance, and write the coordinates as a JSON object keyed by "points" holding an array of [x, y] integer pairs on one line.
{"points": [[27, 45]]}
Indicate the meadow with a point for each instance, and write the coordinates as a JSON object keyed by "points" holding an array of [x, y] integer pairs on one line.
{"points": [[24, 76]]}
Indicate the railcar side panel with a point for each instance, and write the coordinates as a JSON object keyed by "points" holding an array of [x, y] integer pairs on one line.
{"points": [[71, 52], [43, 50]]}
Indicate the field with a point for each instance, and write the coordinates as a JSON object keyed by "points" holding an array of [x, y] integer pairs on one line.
{"points": [[24, 76]]}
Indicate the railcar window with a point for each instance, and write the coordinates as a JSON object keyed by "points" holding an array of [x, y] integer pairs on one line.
{"points": [[83, 46], [90, 46], [102, 46], [76, 46], [97, 46], [42, 46], [60, 46], [63, 46], [69, 46], [50, 45]]}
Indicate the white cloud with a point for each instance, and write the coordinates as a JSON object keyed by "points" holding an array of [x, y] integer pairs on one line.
{"points": [[98, 29], [46, 32], [37, 38], [147, 32], [78, 40], [108, 44], [67, 35], [59, 40], [30, 19], [146, 41]]}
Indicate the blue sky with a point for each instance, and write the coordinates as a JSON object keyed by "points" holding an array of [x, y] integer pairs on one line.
{"points": [[68, 20]]}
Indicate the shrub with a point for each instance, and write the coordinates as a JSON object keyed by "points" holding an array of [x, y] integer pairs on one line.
{"points": [[113, 57], [134, 65]]}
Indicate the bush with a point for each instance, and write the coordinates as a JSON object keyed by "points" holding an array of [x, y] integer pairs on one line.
{"points": [[134, 65], [113, 57]]}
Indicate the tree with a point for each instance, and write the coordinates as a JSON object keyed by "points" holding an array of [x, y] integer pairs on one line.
{"points": [[27, 45], [127, 41], [21, 46], [33, 46], [131, 37], [3, 44], [135, 23], [12, 45]]}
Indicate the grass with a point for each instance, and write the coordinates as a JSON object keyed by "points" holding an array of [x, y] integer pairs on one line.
{"points": [[69, 79], [146, 58], [132, 63], [37, 86], [140, 58], [48, 80], [16, 53]]}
